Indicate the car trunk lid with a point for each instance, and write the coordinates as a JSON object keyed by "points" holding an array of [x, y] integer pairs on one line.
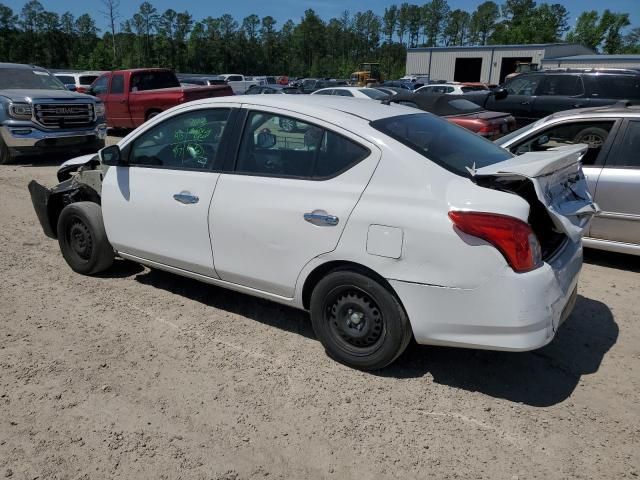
{"points": [[558, 182]]}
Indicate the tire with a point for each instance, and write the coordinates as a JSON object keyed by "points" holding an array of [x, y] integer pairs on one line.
{"points": [[358, 320], [287, 124], [5, 154], [83, 240], [592, 136], [150, 115]]}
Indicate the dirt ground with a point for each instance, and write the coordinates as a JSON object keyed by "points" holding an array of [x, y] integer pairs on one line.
{"points": [[141, 374]]}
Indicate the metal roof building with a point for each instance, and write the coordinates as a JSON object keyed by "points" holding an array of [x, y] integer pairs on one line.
{"points": [[486, 63], [593, 61]]}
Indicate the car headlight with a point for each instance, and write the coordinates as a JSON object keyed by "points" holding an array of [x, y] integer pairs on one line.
{"points": [[99, 109], [20, 110]]}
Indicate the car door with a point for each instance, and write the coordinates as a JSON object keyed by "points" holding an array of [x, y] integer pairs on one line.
{"points": [[520, 99], [116, 103], [618, 189], [157, 207], [559, 92], [287, 200]]}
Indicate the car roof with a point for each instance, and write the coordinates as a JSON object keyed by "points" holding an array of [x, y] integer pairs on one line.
{"points": [[620, 109], [334, 109], [20, 66]]}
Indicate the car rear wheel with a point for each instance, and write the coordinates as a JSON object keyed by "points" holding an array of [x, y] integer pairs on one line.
{"points": [[359, 321], [5, 155], [83, 240], [594, 137]]}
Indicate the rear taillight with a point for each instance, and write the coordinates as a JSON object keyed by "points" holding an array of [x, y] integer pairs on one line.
{"points": [[489, 130], [513, 237]]}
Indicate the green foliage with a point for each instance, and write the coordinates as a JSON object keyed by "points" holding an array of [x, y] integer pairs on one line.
{"points": [[310, 47]]}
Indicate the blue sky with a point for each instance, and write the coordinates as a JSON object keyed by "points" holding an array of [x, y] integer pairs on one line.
{"points": [[282, 10]]}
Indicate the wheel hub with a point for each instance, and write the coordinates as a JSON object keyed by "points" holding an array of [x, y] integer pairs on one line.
{"points": [[356, 319], [80, 240]]}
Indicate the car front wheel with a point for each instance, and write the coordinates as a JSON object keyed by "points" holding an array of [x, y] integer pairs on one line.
{"points": [[359, 321], [83, 240]]}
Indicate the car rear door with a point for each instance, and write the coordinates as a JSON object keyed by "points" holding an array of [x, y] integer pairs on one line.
{"points": [[287, 199], [559, 92], [618, 189], [157, 207]]}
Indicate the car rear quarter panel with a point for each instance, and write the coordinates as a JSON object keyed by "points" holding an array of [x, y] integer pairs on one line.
{"points": [[410, 193]]}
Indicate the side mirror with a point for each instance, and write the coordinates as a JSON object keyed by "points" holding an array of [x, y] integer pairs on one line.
{"points": [[542, 140], [71, 87], [500, 93], [111, 156]]}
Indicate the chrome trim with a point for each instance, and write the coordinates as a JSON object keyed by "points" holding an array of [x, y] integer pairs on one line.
{"points": [[13, 140], [619, 216], [611, 246], [186, 198], [321, 218]]}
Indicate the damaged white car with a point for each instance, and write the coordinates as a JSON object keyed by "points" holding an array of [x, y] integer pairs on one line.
{"points": [[384, 222]]}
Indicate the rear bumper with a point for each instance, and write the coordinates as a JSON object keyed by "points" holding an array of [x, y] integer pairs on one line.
{"points": [[514, 311], [27, 139]]}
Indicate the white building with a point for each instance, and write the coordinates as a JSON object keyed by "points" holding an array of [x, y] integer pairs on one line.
{"points": [[593, 61], [487, 63]]}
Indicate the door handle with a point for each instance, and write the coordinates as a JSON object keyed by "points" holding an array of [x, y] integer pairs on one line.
{"points": [[526, 102], [321, 218], [577, 105], [123, 101], [186, 198]]}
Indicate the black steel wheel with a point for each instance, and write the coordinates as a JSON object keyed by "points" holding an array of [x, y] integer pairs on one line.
{"points": [[359, 321], [5, 154], [82, 238]]}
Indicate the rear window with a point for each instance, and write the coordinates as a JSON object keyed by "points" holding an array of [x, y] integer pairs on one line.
{"points": [[448, 145], [466, 105], [623, 87], [373, 93], [66, 79], [87, 79], [153, 81]]}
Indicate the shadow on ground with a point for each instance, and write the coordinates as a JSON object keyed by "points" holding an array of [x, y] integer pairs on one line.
{"points": [[619, 261], [540, 378]]}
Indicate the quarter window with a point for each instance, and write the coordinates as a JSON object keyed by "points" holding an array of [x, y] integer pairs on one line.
{"points": [[623, 87], [187, 142], [280, 146], [342, 93]]}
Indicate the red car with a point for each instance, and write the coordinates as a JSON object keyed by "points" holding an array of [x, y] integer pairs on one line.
{"points": [[460, 111], [132, 97]]}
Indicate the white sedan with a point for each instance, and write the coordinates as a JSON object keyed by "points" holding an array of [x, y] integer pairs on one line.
{"points": [[452, 88], [384, 222], [355, 92]]}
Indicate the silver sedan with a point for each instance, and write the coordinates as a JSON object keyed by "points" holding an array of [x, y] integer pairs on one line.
{"points": [[611, 165]]}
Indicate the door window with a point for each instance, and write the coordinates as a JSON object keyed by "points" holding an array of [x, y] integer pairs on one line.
{"points": [[117, 84], [66, 79], [627, 153], [324, 92], [187, 142], [100, 85], [342, 93], [594, 134], [234, 78], [562, 85], [524, 85], [280, 146]]}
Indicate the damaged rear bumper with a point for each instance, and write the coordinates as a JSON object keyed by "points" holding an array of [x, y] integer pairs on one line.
{"points": [[513, 311]]}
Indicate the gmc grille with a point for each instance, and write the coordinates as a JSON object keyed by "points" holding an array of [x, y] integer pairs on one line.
{"points": [[64, 115]]}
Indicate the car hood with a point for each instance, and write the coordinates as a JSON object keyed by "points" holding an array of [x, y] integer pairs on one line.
{"points": [[52, 95], [559, 183]]}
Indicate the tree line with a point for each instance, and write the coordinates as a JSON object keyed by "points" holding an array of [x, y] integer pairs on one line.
{"points": [[310, 47]]}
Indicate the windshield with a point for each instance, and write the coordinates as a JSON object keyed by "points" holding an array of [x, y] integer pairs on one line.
{"points": [[87, 79], [373, 93], [444, 143], [24, 78]]}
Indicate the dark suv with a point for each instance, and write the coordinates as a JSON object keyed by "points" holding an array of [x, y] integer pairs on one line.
{"points": [[535, 95]]}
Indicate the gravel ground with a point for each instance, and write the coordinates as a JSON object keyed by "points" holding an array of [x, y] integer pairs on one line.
{"points": [[141, 374]]}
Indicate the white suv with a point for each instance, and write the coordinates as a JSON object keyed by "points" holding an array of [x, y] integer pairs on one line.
{"points": [[383, 221]]}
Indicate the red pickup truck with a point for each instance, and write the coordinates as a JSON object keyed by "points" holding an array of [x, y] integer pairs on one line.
{"points": [[132, 97]]}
